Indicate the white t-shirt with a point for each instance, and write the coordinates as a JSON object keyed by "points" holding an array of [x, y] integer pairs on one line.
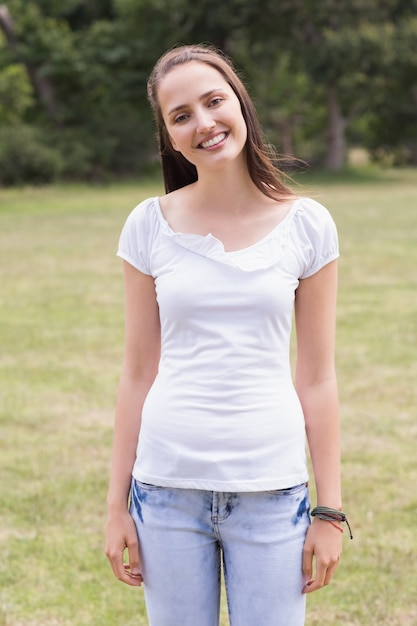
{"points": [[223, 413]]}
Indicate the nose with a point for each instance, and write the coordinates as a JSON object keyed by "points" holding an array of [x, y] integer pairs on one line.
{"points": [[205, 121]]}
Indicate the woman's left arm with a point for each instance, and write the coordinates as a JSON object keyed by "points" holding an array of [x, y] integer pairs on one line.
{"points": [[315, 380]]}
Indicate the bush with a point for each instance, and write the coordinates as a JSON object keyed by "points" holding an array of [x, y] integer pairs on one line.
{"points": [[76, 157], [24, 158]]}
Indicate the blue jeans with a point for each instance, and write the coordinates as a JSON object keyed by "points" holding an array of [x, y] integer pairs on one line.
{"points": [[184, 536]]}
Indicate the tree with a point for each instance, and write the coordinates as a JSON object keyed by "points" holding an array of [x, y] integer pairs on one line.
{"points": [[164, 23], [393, 126], [40, 81], [88, 78], [318, 72], [341, 45]]}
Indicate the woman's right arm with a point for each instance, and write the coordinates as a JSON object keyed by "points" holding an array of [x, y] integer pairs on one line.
{"points": [[142, 351]]}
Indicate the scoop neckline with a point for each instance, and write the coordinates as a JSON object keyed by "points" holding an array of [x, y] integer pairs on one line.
{"points": [[230, 253]]}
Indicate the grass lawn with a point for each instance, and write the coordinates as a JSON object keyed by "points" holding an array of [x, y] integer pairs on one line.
{"points": [[61, 339]]}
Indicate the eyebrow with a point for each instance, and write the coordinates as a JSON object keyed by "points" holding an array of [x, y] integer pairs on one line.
{"points": [[202, 97]]}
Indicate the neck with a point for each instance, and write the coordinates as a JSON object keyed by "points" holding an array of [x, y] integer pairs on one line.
{"points": [[228, 189]]}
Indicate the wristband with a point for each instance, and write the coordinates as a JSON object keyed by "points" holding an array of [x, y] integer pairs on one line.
{"points": [[331, 515]]}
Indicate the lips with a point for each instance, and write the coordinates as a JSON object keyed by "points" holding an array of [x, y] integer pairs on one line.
{"points": [[209, 143]]}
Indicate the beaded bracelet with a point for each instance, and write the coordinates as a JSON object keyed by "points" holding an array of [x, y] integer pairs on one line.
{"points": [[332, 516]]}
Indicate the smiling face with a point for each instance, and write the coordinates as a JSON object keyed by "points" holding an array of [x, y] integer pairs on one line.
{"points": [[202, 115]]}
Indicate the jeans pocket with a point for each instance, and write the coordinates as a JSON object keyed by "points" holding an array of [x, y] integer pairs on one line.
{"points": [[289, 491], [148, 487]]}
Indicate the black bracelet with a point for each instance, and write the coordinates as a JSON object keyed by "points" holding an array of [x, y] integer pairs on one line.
{"points": [[331, 515]]}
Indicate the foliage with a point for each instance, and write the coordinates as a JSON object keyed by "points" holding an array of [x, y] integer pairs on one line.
{"points": [[288, 102], [344, 47], [97, 113], [393, 128], [320, 74], [16, 94], [166, 22], [24, 158]]}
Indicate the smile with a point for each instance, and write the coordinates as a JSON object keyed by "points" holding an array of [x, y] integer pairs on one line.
{"points": [[214, 141]]}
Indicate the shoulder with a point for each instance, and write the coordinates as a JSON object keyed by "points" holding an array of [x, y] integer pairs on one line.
{"points": [[314, 233], [310, 210], [144, 212], [146, 219], [311, 219], [140, 230]]}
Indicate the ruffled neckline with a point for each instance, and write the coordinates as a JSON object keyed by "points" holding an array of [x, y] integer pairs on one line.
{"points": [[260, 255]]}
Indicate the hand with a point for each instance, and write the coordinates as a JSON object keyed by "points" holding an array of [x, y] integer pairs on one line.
{"points": [[324, 543], [121, 535]]}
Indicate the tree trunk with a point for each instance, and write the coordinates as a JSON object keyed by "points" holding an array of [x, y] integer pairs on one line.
{"points": [[41, 84], [6, 25], [336, 131]]}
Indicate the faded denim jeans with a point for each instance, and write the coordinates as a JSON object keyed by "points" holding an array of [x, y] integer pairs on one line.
{"points": [[184, 536]]}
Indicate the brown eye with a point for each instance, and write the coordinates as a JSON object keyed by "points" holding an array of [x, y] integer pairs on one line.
{"points": [[180, 118], [215, 101]]}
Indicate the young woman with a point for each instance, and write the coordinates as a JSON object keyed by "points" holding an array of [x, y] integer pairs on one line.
{"points": [[209, 422]]}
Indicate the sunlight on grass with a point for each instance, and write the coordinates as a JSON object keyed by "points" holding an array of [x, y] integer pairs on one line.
{"points": [[61, 325]]}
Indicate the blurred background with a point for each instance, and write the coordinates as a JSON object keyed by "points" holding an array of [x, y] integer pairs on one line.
{"points": [[333, 81]]}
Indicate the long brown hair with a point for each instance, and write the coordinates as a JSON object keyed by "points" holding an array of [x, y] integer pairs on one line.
{"points": [[177, 170]]}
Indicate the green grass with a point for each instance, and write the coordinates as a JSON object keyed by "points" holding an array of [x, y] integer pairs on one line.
{"points": [[61, 327]]}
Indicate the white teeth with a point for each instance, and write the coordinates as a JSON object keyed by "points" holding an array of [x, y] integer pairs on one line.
{"points": [[212, 142]]}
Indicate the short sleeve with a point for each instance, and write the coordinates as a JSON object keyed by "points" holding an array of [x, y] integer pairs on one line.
{"points": [[317, 237], [136, 237]]}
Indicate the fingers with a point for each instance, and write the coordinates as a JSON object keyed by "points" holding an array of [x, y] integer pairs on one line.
{"points": [[323, 546], [132, 568], [307, 565], [128, 573], [135, 576], [324, 574], [122, 537]]}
